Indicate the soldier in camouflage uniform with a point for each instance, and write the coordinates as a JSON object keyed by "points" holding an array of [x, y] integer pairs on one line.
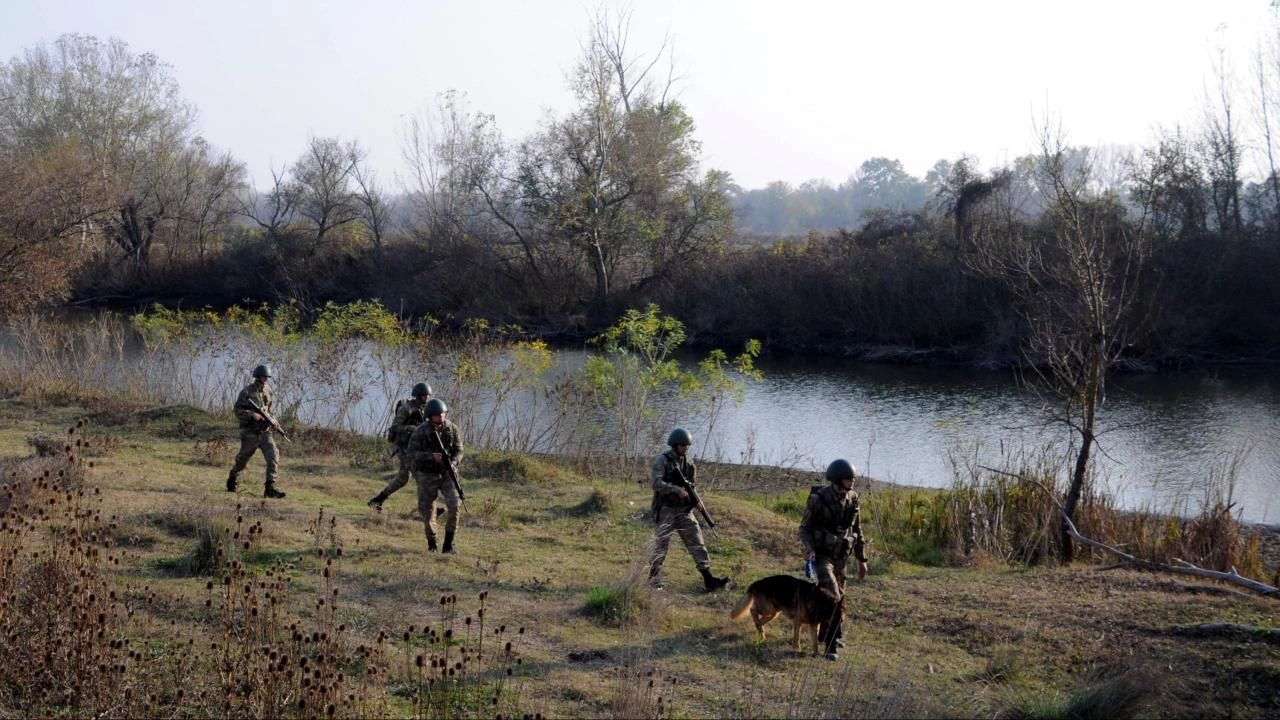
{"points": [[432, 446], [672, 474], [410, 414], [255, 432], [830, 530]]}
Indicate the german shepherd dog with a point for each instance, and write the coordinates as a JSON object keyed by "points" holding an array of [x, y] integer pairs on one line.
{"points": [[803, 602]]}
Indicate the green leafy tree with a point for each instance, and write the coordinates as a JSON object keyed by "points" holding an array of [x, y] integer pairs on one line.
{"points": [[639, 363], [617, 182]]}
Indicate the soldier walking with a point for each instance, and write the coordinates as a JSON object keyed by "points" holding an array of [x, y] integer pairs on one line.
{"points": [[255, 432], [830, 530], [434, 447], [673, 476], [410, 414]]}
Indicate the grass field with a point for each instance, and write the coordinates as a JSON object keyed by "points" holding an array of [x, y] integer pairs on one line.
{"points": [[135, 585]]}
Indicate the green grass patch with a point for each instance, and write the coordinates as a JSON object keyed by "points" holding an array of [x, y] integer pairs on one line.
{"points": [[610, 605]]}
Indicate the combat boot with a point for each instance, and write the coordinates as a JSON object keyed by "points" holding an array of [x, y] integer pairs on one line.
{"points": [[711, 582], [231, 482], [271, 491], [830, 637], [655, 577], [431, 542], [448, 548], [376, 501]]}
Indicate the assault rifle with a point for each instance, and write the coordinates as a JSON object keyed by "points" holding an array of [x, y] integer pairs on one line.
{"points": [[697, 501], [270, 419], [450, 470]]}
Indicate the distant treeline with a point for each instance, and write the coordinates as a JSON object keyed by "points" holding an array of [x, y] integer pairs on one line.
{"points": [[109, 198]]}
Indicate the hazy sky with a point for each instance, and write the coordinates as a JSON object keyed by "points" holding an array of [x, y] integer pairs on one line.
{"points": [[780, 89]]}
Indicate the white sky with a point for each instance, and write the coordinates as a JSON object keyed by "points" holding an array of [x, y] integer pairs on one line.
{"points": [[780, 89]]}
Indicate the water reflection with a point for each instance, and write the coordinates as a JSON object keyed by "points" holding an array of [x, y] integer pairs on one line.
{"points": [[1161, 436]]}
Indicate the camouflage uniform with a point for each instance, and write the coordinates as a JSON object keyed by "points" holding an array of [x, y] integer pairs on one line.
{"points": [[669, 474], [830, 529], [255, 435], [431, 477], [409, 415]]}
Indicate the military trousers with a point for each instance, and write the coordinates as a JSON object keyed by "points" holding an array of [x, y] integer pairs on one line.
{"points": [[402, 474], [830, 573], [430, 486], [251, 440], [679, 520]]}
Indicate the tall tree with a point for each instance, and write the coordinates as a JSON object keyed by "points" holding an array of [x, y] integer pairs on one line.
{"points": [[1074, 273], [122, 109], [1223, 152], [324, 186], [203, 188], [47, 199], [618, 180]]}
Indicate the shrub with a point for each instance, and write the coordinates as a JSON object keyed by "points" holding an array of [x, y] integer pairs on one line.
{"points": [[610, 604]]}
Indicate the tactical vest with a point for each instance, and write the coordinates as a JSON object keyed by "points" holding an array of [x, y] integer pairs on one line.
{"points": [[672, 474], [840, 541], [399, 434]]}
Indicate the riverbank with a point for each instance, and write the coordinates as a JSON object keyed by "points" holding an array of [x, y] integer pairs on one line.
{"points": [[558, 560]]}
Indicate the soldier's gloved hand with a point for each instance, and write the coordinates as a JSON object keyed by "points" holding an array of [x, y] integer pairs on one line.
{"points": [[257, 417], [862, 569], [437, 457]]}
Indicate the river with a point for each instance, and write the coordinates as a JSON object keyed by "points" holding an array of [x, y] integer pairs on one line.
{"points": [[1162, 436]]}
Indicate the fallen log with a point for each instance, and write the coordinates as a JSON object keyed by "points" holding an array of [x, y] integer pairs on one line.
{"points": [[1182, 567]]}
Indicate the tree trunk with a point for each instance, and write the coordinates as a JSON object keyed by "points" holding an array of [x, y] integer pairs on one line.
{"points": [[1089, 414], [597, 263]]}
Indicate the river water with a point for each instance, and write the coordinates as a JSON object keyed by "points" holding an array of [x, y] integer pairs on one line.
{"points": [[1162, 437], [1164, 440]]}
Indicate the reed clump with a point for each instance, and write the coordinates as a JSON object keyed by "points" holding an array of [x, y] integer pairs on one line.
{"points": [[1010, 514]]}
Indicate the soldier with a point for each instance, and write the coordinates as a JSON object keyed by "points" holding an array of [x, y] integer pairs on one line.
{"points": [[672, 476], [255, 432], [432, 448], [409, 415], [830, 529]]}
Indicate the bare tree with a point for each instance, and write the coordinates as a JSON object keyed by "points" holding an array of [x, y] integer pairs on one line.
{"points": [[205, 189], [1267, 67], [1074, 273], [374, 211], [274, 210], [607, 198], [463, 191], [1222, 151], [322, 182]]}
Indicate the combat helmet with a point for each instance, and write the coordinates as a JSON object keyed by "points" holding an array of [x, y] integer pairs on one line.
{"points": [[262, 371], [435, 406], [679, 436], [421, 389], [839, 470]]}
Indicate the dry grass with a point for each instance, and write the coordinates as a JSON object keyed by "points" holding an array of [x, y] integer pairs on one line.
{"points": [[176, 598]]}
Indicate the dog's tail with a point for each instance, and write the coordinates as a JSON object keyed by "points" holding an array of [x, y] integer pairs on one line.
{"points": [[743, 608]]}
